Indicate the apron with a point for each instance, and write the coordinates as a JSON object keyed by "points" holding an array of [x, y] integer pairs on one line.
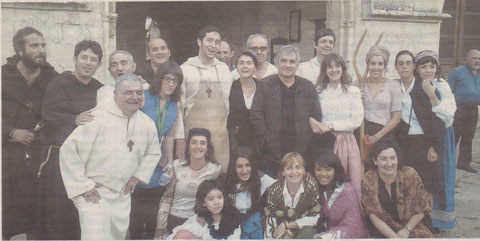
{"points": [[210, 113]]}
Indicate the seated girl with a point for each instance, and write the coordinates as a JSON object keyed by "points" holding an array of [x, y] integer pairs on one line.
{"points": [[246, 185], [341, 215], [215, 216]]}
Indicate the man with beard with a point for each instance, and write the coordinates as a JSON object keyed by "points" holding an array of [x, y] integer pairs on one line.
{"points": [[24, 80], [225, 53], [205, 91], [103, 160], [257, 44], [324, 43], [281, 112], [67, 104]]}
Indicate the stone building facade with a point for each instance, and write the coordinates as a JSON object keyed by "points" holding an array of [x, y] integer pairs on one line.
{"points": [[405, 24]]}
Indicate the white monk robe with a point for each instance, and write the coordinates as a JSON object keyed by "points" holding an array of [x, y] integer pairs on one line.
{"points": [[98, 153], [309, 70], [205, 92]]}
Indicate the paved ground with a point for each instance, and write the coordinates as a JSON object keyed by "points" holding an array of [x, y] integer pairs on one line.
{"points": [[467, 201]]}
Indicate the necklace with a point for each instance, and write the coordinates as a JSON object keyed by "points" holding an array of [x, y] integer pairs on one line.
{"points": [[198, 169], [130, 142], [204, 81]]}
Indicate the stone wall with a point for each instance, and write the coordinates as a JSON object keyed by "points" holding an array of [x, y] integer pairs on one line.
{"points": [[63, 25]]}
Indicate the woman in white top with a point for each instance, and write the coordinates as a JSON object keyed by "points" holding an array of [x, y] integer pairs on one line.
{"points": [[245, 184], [215, 218], [293, 202], [177, 203], [342, 113]]}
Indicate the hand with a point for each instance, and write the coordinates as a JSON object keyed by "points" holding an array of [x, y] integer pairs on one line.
{"points": [[432, 155], [92, 195], [279, 230], [428, 87], [131, 184], [373, 139], [180, 148], [317, 127], [23, 136], [403, 233], [84, 117]]}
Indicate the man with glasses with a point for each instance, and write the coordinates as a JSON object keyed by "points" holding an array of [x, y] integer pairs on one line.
{"points": [[257, 44], [324, 44]]}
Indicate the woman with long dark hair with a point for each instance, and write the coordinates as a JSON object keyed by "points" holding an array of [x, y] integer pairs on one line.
{"points": [[176, 205], [342, 113], [215, 218], [341, 215], [245, 184]]}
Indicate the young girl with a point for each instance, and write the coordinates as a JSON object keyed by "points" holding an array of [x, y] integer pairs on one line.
{"points": [[215, 216], [341, 214], [245, 185]]}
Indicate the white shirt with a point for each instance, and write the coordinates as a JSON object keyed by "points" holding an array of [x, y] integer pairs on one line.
{"points": [[271, 70], [98, 151], [343, 110], [445, 110], [243, 200], [187, 186], [309, 70], [202, 232]]}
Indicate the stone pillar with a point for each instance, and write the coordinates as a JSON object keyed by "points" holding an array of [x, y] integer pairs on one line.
{"points": [[405, 24]]}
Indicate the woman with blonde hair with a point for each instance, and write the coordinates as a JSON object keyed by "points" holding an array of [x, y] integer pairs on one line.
{"points": [[293, 202]]}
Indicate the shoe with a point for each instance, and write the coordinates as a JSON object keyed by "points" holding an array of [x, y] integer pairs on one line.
{"points": [[467, 168]]}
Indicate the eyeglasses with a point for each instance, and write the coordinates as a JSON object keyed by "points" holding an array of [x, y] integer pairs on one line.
{"points": [[169, 80], [255, 49]]}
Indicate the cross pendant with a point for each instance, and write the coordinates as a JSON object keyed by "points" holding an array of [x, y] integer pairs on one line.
{"points": [[130, 145], [209, 92]]}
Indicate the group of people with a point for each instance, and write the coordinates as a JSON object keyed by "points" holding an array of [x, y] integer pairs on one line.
{"points": [[219, 149]]}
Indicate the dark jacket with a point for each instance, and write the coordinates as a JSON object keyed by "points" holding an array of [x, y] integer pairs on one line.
{"points": [[240, 129], [66, 97], [146, 71], [266, 115], [21, 108]]}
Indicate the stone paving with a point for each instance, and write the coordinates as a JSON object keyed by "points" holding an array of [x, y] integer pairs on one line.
{"points": [[467, 200]]}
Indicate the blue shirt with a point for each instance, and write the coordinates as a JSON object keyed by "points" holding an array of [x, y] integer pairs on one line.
{"points": [[465, 86]]}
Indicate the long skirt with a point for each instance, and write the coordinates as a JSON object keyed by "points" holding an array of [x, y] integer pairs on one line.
{"points": [[346, 148], [443, 215]]}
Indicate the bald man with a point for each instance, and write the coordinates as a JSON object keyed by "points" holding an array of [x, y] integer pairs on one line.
{"points": [[257, 44], [159, 53], [465, 84]]}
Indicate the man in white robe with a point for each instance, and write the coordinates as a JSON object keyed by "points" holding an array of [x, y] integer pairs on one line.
{"points": [[102, 161], [205, 91]]}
